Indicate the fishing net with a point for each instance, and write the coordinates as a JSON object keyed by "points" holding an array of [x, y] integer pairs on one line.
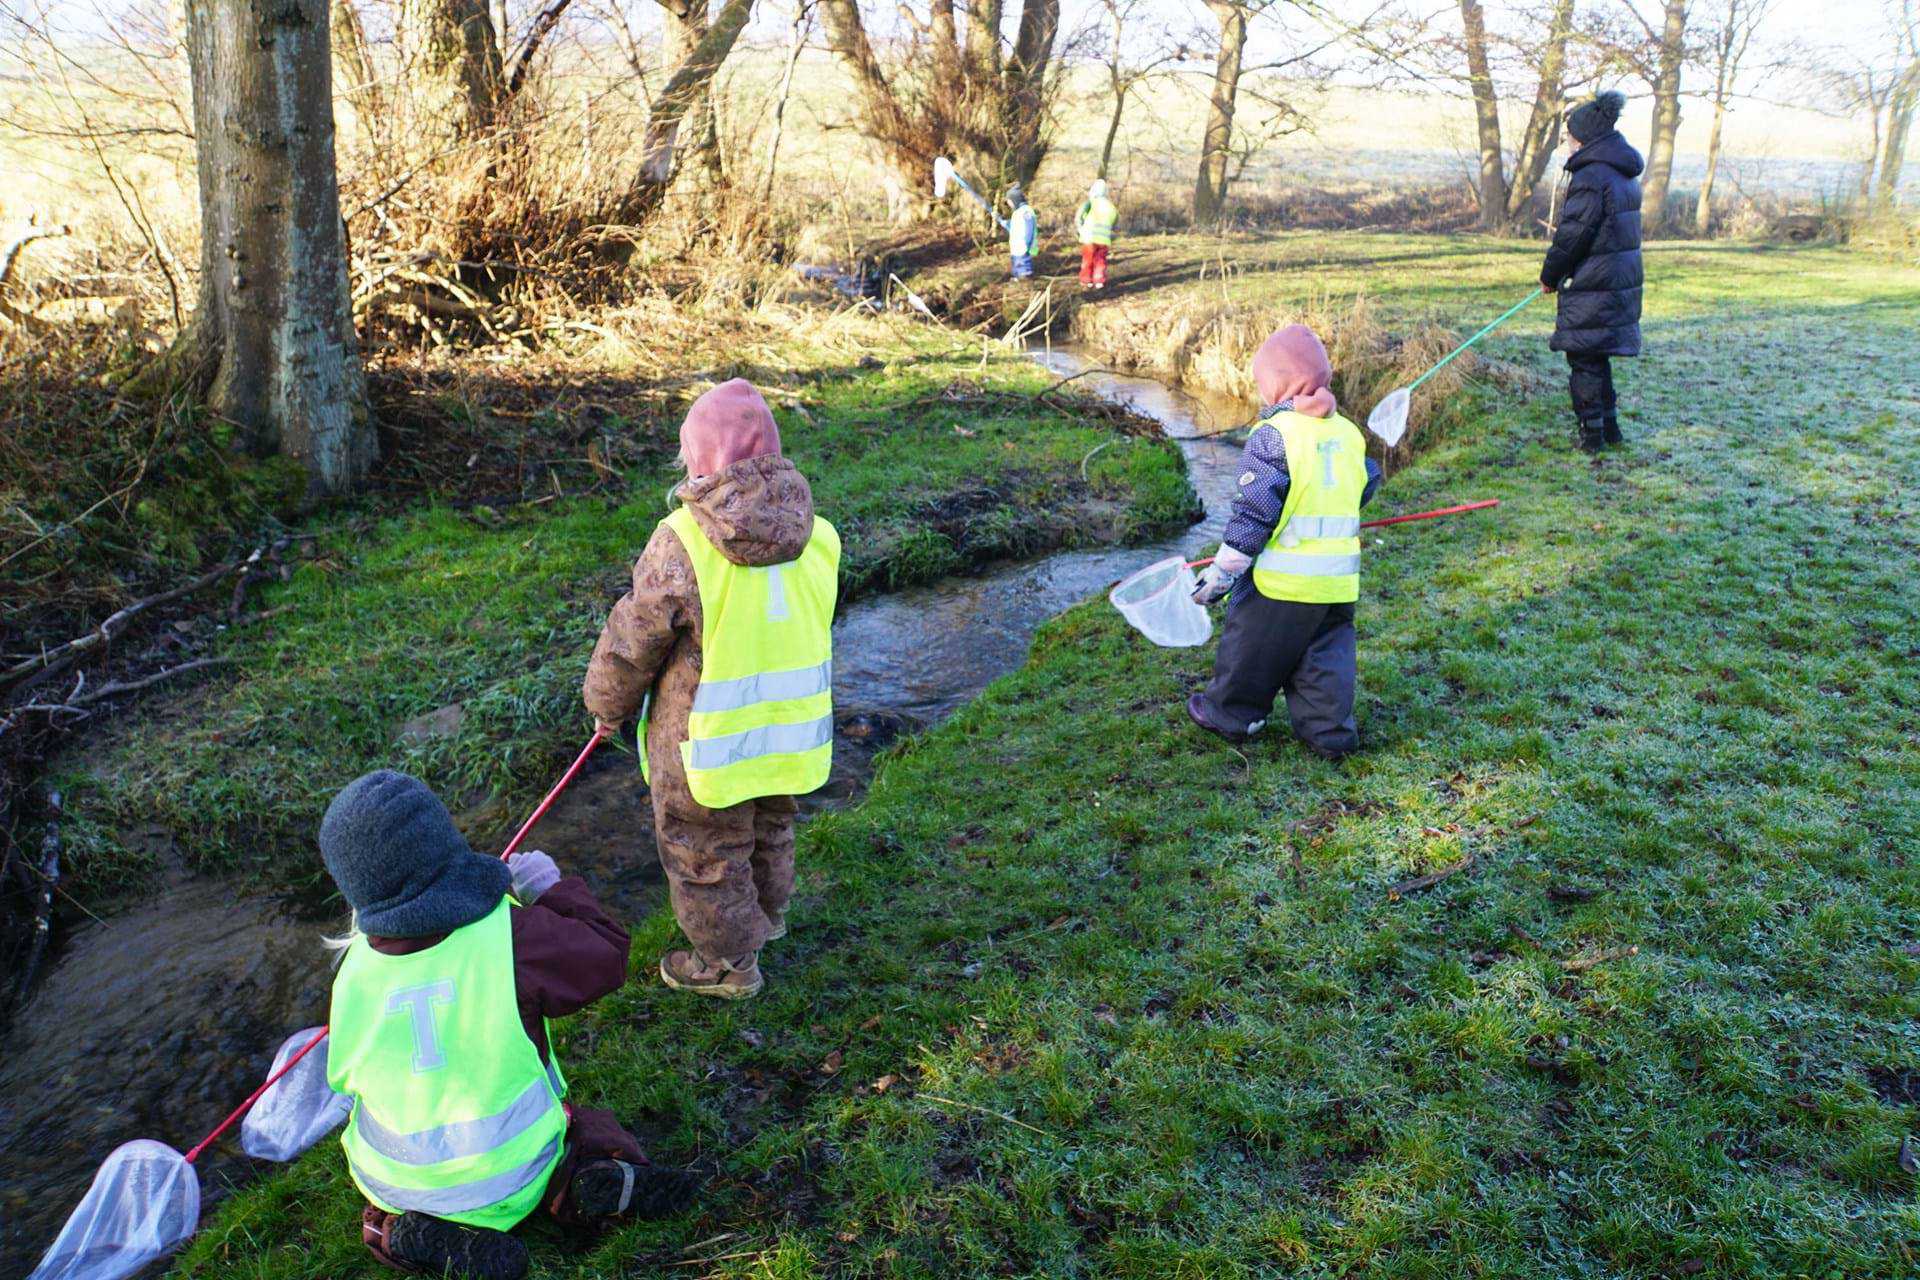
{"points": [[1158, 601], [942, 176], [298, 1109], [1389, 418], [144, 1201]]}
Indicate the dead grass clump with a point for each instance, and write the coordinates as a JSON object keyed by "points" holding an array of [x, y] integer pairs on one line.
{"points": [[1210, 345]]}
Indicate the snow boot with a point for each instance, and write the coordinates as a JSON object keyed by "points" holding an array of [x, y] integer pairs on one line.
{"points": [[723, 979], [622, 1189], [436, 1247]]}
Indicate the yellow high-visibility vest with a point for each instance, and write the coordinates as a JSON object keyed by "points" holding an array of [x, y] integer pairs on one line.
{"points": [[762, 721], [454, 1114], [1314, 553], [1096, 221]]}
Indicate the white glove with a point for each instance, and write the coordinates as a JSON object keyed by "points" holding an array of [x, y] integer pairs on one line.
{"points": [[1228, 564], [533, 874]]}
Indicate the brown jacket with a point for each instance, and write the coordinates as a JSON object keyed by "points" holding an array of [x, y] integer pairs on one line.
{"points": [[567, 953], [756, 512]]}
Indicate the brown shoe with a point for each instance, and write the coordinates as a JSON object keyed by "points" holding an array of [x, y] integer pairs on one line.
{"points": [[779, 929], [726, 979]]}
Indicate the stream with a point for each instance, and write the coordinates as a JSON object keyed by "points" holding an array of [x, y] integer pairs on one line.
{"points": [[157, 1021]]}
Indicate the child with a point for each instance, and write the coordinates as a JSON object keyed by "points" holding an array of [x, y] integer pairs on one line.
{"points": [[1594, 265], [724, 647], [1095, 221], [1303, 479], [439, 1036], [1023, 233]]}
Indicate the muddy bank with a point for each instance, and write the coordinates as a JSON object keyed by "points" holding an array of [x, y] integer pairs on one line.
{"points": [[156, 1022]]}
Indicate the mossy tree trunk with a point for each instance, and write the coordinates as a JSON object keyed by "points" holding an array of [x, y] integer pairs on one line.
{"points": [[271, 347]]}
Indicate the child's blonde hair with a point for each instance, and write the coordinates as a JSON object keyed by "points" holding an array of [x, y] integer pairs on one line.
{"points": [[338, 943]]}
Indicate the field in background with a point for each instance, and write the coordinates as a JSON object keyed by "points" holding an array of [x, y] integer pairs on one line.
{"points": [[1361, 141]]}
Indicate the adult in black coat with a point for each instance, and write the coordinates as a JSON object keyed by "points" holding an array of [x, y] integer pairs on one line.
{"points": [[1594, 264]]}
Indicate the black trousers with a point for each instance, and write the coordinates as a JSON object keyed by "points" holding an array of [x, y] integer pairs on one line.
{"points": [[1590, 379], [1308, 650]]}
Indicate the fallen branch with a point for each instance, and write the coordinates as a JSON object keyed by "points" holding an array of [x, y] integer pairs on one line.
{"points": [[1418, 884], [57, 659], [11, 254], [1582, 964], [78, 703], [968, 1106]]}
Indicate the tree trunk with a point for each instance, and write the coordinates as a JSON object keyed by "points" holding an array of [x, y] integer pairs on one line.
{"points": [[685, 29], [983, 36], [1210, 185], [452, 63], [1024, 98], [884, 119], [802, 21], [354, 73], [659, 160], [1113, 126], [1486, 110], [1666, 114], [1542, 133], [271, 344], [1703, 207], [1900, 113]]}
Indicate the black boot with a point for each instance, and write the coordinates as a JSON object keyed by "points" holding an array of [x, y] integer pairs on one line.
{"points": [[441, 1248], [1593, 434], [1610, 429], [620, 1189]]}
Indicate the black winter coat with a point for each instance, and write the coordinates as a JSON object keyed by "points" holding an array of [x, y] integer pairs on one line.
{"points": [[1595, 256]]}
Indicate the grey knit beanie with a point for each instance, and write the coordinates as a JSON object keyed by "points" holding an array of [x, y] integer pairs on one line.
{"points": [[401, 864], [1596, 119]]}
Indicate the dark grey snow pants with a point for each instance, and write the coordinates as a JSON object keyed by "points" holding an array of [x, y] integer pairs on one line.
{"points": [[1306, 649]]}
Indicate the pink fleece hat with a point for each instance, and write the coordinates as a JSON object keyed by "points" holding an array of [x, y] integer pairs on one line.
{"points": [[729, 424], [1292, 365]]}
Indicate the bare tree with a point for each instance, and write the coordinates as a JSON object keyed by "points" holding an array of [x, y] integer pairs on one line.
{"points": [[453, 63], [1658, 52], [1535, 53], [1486, 113], [1141, 46], [271, 343], [678, 98], [964, 92], [1216, 141], [796, 42], [1902, 101], [1733, 29]]}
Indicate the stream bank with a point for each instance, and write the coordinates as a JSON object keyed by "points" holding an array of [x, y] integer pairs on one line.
{"points": [[154, 1022]]}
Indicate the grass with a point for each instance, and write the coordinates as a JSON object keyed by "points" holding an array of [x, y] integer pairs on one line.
{"points": [[927, 464], [1079, 992]]}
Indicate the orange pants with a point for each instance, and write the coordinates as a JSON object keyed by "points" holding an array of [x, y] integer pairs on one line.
{"points": [[1093, 263]]}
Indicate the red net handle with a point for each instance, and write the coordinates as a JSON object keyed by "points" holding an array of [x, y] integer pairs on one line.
{"points": [[1375, 524]]}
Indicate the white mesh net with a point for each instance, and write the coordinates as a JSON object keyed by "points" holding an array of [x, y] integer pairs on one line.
{"points": [[1389, 418], [298, 1110], [1158, 601], [942, 176], [144, 1201]]}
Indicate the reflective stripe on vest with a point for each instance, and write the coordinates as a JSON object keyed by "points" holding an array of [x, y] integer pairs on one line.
{"points": [[773, 686], [454, 1113], [462, 1138], [462, 1199], [1314, 553], [761, 723], [1308, 566]]}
